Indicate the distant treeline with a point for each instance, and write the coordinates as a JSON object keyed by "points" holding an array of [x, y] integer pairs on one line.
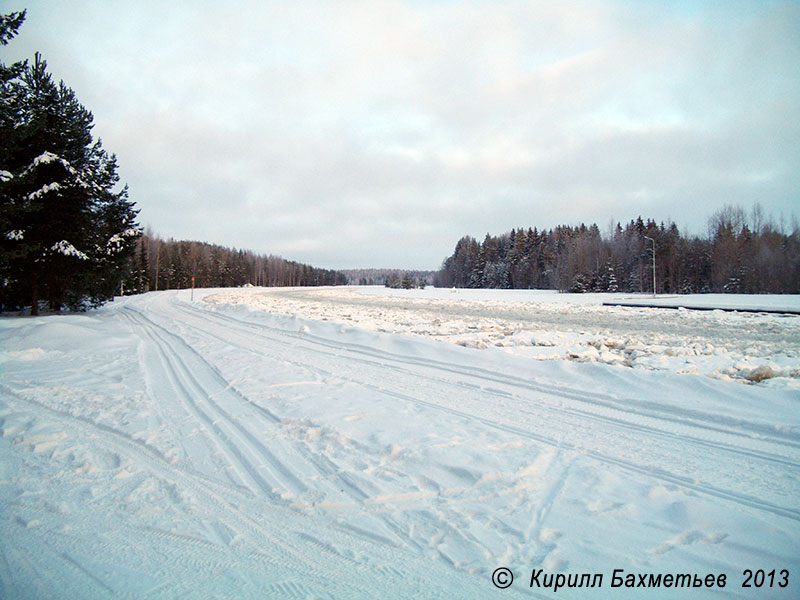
{"points": [[385, 276], [742, 253], [159, 264]]}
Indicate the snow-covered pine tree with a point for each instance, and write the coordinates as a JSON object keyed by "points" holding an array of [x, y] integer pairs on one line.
{"points": [[608, 280], [611, 281], [65, 233], [579, 284]]}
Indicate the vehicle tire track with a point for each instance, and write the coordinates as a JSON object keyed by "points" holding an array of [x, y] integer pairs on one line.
{"points": [[652, 410], [246, 453], [656, 472], [678, 437], [240, 507], [322, 465]]}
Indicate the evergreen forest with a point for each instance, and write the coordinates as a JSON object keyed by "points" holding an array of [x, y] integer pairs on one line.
{"points": [[159, 264], [743, 252]]}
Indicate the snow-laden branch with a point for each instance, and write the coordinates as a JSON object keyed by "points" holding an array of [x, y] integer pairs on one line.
{"points": [[67, 249], [88, 185], [46, 158], [48, 187], [116, 241]]}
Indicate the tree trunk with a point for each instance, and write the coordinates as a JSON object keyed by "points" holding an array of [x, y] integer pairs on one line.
{"points": [[35, 300]]}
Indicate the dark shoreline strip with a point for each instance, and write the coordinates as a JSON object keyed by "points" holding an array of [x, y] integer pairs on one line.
{"points": [[677, 306]]}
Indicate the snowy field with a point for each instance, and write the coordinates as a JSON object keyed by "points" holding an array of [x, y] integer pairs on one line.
{"points": [[546, 325], [362, 443]]}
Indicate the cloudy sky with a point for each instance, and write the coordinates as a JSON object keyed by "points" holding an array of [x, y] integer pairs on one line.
{"points": [[375, 133]]}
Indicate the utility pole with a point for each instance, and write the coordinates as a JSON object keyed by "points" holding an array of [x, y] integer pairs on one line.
{"points": [[654, 264]]}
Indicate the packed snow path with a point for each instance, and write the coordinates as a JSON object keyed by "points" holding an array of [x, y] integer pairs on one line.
{"points": [[163, 448]]}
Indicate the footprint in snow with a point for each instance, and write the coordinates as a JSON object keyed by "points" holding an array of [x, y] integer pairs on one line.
{"points": [[600, 507], [692, 536], [554, 564], [549, 535]]}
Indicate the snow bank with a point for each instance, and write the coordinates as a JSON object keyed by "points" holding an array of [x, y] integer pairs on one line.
{"points": [[546, 325]]}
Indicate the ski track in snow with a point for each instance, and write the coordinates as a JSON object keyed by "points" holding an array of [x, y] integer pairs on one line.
{"points": [[687, 435], [161, 448]]}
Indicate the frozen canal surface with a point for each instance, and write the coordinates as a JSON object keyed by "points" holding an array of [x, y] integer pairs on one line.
{"points": [[347, 443]]}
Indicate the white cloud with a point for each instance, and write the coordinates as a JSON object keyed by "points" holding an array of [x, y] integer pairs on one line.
{"points": [[378, 132]]}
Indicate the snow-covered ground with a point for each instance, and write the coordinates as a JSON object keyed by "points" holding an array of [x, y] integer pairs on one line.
{"points": [[546, 325], [163, 448]]}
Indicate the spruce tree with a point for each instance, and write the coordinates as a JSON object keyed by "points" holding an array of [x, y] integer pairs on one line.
{"points": [[66, 233]]}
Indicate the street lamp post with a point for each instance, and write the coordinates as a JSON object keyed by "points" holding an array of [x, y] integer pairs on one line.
{"points": [[654, 263]]}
